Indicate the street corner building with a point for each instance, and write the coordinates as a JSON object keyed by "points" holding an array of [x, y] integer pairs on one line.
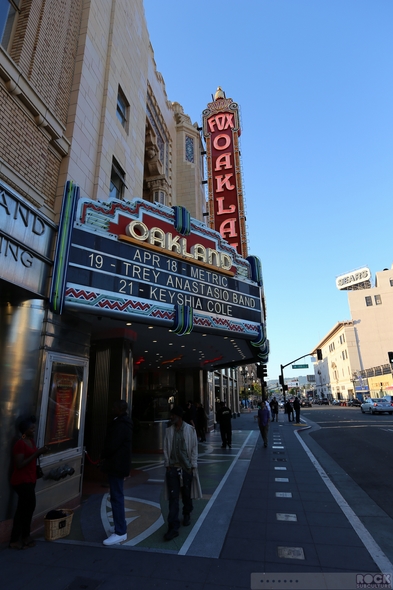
{"points": [[119, 276]]}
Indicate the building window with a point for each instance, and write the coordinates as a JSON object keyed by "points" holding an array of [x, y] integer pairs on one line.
{"points": [[122, 108], [159, 197], [378, 300], [189, 149], [8, 11], [369, 301], [118, 184], [391, 282]]}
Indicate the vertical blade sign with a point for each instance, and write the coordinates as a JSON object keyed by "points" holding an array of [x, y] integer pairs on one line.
{"points": [[226, 208]]}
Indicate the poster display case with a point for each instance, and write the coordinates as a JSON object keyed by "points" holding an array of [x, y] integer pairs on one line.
{"points": [[63, 405]]}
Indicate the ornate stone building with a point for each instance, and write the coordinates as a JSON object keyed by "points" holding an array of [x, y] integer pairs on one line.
{"points": [[85, 119]]}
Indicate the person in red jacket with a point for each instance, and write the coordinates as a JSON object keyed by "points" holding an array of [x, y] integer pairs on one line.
{"points": [[23, 481]]}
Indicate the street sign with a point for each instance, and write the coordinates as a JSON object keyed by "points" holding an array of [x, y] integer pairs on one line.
{"points": [[299, 366]]}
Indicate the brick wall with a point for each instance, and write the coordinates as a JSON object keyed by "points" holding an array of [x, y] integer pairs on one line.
{"points": [[44, 47], [25, 148]]}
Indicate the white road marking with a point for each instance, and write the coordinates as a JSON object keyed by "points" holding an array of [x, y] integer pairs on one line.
{"points": [[187, 543], [368, 541]]}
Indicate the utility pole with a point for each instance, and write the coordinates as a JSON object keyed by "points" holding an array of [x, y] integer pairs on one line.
{"points": [[281, 377]]}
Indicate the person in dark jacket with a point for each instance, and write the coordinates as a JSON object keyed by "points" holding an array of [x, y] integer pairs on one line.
{"points": [[224, 418], [201, 422], [274, 409], [263, 422], [190, 415], [116, 462], [289, 410]]}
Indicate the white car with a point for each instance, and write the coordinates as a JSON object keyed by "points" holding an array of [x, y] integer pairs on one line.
{"points": [[376, 405]]}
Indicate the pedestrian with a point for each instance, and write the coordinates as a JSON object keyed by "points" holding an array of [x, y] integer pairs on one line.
{"points": [[181, 463], [201, 422], [274, 409], [189, 415], [116, 462], [263, 422], [224, 418], [296, 407], [289, 410], [23, 481], [268, 407]]}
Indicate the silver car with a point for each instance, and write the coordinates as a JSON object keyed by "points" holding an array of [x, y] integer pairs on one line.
{"points": [[376, 405]]}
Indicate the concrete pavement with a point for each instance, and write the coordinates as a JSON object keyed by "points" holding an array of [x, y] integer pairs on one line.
{"points": [[269, 518]]}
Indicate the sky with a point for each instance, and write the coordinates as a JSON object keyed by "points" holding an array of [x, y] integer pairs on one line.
{"points": [[314, 81]]}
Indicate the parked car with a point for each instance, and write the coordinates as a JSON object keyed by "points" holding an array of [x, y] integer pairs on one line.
{"points": [[376, 405], [324, 401], [335, 402], [355, 402], [389, 399]]}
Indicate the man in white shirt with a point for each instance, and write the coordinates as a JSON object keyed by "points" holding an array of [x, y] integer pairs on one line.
{"points": [[180, 458]]}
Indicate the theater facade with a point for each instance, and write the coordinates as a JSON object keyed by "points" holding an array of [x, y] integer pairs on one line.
{"points": [[119, 276]]}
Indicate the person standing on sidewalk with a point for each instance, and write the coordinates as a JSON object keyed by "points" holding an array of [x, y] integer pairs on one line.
{"points": [[190, 415], [224, 418], [181, 462], [274, 409], [201, 422], [296, 407], [116, 462], [23, 481], [263, 422], [289, 410]]}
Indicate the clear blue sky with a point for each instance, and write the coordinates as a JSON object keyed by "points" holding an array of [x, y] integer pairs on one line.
{"points": [[314, 82]]}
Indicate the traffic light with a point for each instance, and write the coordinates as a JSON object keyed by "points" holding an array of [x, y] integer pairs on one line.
{"points": [[390, 355], [319, 354], [264, 371], [280, 380], [260, 371]]}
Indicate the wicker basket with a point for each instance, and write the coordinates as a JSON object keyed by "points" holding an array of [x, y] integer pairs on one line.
{"points": [[58, 528]]}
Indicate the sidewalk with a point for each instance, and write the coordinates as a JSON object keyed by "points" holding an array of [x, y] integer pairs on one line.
{"points": [[264, 510]]}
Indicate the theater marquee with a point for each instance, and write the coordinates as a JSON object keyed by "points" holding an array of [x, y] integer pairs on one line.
{"points": [[154, 264]]}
